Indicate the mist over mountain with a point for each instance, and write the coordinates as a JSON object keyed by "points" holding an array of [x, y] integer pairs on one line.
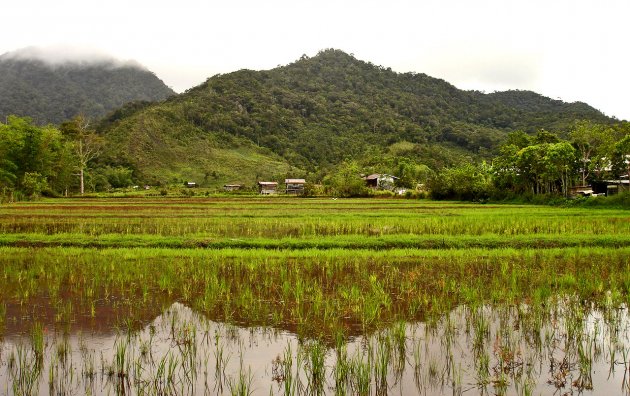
{"points": [[52, 86], [316, 112]]}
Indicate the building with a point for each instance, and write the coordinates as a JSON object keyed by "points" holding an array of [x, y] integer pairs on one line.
{"points": [[294, 186], [231, 187], [380, 181], [267, 188], [614, 187], [584, 191], [190, 184]]}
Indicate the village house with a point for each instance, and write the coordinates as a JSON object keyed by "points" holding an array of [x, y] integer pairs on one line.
{"points": [[294, 186], [380, 181], [267, 188], [614, 187], [231, 187], [190, 184], [584, 191]]}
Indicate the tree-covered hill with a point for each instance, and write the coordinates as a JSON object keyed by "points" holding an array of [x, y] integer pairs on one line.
{"points": [[316, 112], [53, 93]]}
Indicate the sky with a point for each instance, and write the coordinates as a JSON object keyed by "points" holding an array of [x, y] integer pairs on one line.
{"points": [[573, 50]]}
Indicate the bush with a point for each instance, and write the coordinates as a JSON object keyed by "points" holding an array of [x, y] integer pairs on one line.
{"points": [[346, 182], [466, 183], [33, 184], [383, 194]]}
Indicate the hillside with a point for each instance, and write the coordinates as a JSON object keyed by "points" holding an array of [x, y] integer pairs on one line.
{"points": [[54, 92], [318, 111]]}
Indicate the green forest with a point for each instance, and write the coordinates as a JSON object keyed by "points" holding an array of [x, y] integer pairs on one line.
{"points": [[56, 93], [330, 119]]}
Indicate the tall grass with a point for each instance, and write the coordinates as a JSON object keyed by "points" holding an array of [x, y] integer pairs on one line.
{"points": [[316, 290]]}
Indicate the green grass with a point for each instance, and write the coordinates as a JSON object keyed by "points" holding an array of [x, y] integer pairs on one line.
{"points": [[311, 265], [350, 242], [315, 290]]}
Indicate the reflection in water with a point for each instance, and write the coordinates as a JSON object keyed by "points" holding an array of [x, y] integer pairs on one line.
{"points": [[563, 346]]}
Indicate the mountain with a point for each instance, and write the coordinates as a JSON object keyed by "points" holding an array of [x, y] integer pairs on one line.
{"points": [[316, 112], [34, 83]]}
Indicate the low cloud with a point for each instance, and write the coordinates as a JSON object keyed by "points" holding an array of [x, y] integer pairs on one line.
{"points": [[60, 55]]}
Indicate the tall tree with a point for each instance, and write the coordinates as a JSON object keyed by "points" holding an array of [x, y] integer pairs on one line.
{"points": [[32, 159], [87, 145], [560, 158], [622, 149], [593, 142]]}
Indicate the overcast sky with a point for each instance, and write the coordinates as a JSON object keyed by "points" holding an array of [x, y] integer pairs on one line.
{"points": [[574, 50]]}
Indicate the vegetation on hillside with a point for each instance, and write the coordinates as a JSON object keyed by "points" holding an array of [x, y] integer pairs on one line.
{"points": [[329, 119], [53, 94], [317, 112]]}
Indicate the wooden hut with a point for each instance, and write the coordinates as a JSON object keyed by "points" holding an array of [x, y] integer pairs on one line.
{"points": [[267, 188], [231, 187], [294, 186], [380, 181]]}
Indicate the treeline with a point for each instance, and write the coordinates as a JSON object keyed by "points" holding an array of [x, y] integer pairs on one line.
{"points": [[53, 161], [544, 164]]}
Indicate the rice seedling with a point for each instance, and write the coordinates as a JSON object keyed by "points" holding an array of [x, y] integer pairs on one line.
{"points": [[314, 367], [242, 384], [380, 360], [360, 377], [509, 286], [37, 343], [24, 371]]}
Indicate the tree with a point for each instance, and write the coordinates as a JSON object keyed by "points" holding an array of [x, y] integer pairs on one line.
{"points": [[506, 168], [87, 144], [33, 184], [464, 182], [542, 167], [410, 174], [518, 139], [9, 146], [346, 181], [545, 137], [593, 142], [32, 159], [622, 157], [559, 160]]}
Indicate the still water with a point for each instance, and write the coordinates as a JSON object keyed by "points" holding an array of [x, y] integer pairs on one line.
{"points": [[564, 348]]}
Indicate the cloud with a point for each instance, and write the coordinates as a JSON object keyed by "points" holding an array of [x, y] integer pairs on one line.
{"points": [[487, 70], [58, 55]]}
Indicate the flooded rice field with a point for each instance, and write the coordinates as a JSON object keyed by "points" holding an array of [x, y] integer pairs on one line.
{"points": [[312, 297], [564, 348]]}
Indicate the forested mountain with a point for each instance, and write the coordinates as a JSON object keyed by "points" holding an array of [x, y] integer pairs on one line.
{"points": [[318, 111], [53, 93]]}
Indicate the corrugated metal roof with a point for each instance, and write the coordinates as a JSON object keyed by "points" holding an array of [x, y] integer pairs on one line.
{"points": [[294, 181], [267, 183]]}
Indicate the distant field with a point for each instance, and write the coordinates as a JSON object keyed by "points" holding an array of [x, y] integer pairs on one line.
{"points": [[305, 223], [325, 271]]}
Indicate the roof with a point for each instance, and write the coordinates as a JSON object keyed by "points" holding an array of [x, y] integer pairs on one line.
{"points": [[294, 181], [376, 176], [263, 183], [231, 185]]}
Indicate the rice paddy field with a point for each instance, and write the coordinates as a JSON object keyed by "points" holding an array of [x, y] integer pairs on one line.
{"points": [[279, 296]]}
